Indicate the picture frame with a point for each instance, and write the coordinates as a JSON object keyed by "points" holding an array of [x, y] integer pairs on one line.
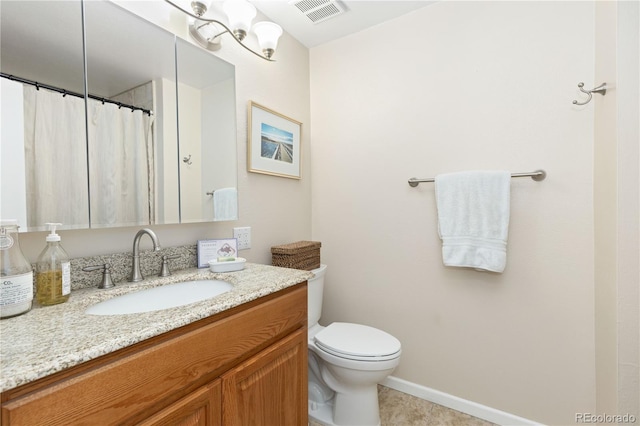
{"points": [[213, 249], [274, 143]]}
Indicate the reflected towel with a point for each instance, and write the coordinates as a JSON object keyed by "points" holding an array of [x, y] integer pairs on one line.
{"points": [[225, 204], [473, 218]]}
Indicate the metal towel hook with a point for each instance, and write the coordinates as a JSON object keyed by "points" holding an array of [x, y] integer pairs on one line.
{"points": [[602, 89]]}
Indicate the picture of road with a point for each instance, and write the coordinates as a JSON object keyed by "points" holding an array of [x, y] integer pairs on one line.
{"points": [[276, 144]]}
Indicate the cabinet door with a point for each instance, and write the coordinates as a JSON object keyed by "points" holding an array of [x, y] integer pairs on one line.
{"points": [[270, 388], [200, 408]]}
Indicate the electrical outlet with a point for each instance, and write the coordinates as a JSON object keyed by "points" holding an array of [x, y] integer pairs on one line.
{"points": [[244, 237]]}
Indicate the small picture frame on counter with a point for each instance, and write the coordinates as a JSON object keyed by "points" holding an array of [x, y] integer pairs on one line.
{"points": [[214, 249]]}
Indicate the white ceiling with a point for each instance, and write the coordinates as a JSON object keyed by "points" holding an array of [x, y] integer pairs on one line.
{"points": [[358, 15]]}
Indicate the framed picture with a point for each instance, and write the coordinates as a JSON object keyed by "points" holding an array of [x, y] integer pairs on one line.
{"points": [[213, 249], [274, 143]]}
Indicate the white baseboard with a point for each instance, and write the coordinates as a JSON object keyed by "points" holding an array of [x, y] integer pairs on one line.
{"points": [[468, 407]]}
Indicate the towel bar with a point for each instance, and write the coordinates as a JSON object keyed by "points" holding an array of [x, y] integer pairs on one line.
{"points": [[536, 175]]}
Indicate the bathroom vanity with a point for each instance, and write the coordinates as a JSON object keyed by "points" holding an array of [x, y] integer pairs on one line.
{"points": [[240, 358]]}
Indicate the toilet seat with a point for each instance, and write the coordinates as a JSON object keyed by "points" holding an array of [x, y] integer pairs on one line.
{"points": [[357, 342]]}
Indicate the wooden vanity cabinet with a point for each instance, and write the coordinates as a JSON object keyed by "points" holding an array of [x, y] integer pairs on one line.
{"points": [[244, 366]]}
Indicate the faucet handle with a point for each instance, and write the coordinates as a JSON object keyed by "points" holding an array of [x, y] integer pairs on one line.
{"points": [[106, 274], [165, 272]]}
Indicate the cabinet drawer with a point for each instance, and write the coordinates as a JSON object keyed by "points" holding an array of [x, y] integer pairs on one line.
{"points": [[127, 388]]}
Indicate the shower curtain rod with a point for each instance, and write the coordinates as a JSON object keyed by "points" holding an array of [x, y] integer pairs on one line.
{"points": [[536, 175], [77, 95]]}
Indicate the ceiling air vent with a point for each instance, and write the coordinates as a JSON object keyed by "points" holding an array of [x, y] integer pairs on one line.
{"points": [[318, 10]]}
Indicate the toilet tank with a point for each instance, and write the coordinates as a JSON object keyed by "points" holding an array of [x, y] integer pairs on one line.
{"points": [[315, 287]]}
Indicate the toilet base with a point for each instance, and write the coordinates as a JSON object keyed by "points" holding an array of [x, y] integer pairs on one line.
{"points": [[323, 413]]}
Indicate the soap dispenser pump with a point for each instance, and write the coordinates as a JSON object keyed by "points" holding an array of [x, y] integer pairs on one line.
{"points": [[53, 271]]}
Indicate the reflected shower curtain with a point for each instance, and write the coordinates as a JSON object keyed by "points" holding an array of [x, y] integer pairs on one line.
{"points": [[121, 167], [55, 159]]}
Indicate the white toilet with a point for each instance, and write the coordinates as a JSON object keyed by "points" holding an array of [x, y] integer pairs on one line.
{"points": [[346, 363]]}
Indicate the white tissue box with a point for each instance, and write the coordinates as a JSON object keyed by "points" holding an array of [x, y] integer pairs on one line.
{"points": [[228, 266]]}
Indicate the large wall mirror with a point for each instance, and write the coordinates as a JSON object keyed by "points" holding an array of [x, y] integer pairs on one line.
{"points": [[154, 143]]}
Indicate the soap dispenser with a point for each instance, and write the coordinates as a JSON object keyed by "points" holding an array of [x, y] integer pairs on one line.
{"points": [[53, 271]]}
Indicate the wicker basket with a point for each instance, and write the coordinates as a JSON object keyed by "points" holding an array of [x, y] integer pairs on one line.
{"points": [[299, 255]]}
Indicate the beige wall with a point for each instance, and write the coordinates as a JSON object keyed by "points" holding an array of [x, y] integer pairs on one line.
{"points": [[616, 207], [628, 215], [605, 210], [456, 86], [278, 210]]}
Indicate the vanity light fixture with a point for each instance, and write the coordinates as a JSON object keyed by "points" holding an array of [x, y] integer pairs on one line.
{"points": [[240, 13]]}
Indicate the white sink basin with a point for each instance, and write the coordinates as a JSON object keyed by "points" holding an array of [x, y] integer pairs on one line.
{"points": [[158, 298]]}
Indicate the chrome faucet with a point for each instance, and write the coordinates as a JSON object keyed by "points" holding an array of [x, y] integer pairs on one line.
{"points": [[135, 267]]}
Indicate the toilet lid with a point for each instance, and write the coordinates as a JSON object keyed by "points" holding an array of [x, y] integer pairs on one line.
{"points": [[357, 341]]}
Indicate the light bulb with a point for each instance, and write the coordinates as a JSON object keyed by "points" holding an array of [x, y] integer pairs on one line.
{"points": [[268, 34], [240, 14]]}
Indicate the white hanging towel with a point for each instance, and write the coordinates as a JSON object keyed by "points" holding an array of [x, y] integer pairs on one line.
{"points": [[225, 204], [473, 218]]}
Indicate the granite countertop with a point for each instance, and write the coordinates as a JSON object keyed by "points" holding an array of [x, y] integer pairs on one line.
{"points": [[49, 339]]}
